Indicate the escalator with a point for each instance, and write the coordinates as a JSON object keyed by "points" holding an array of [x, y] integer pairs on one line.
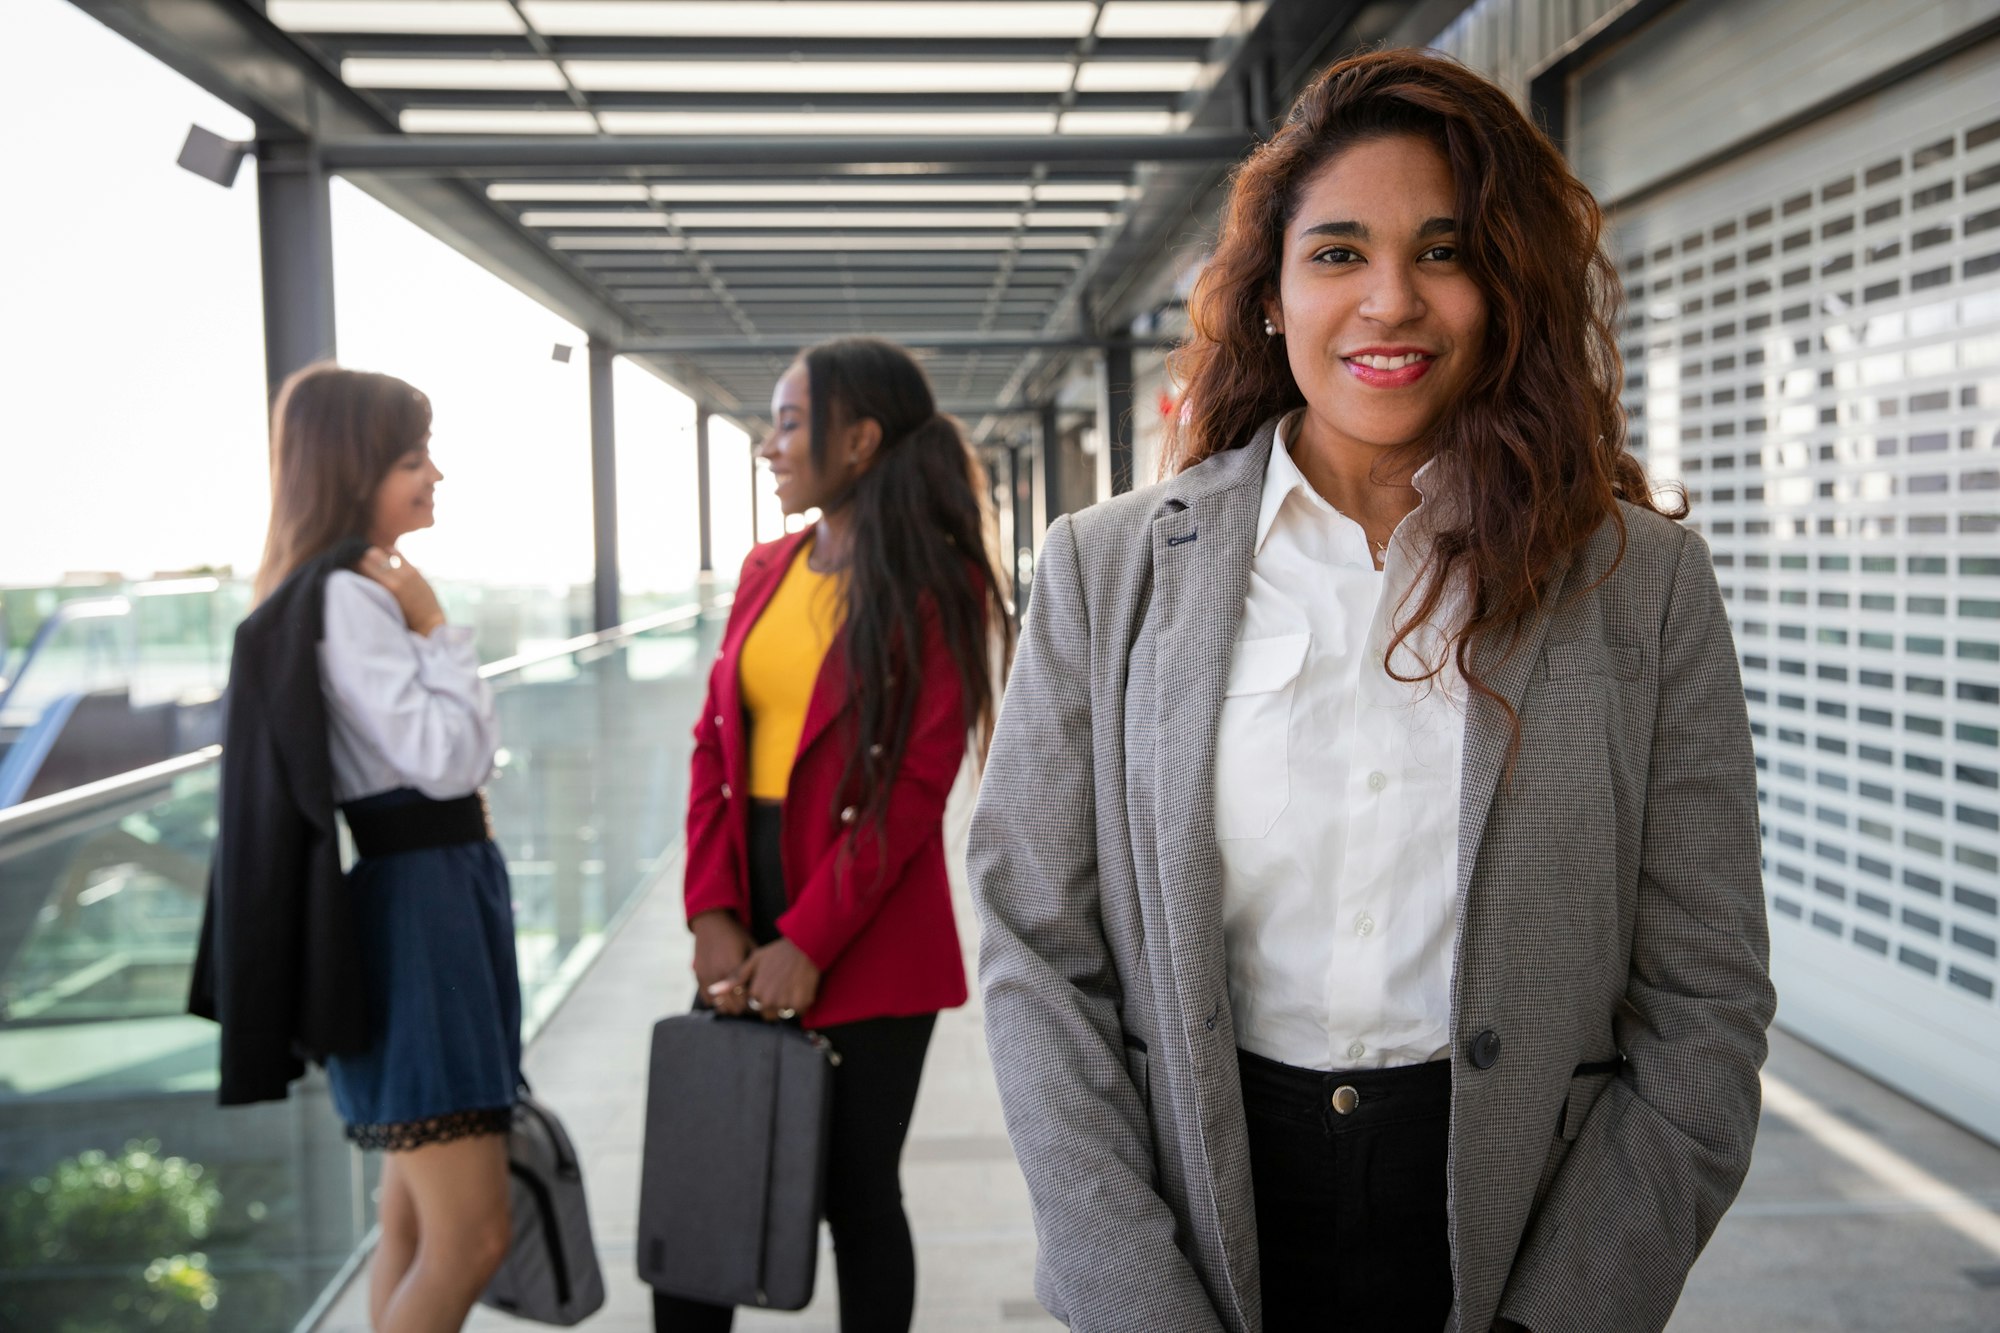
{"points": [[90, 698]]}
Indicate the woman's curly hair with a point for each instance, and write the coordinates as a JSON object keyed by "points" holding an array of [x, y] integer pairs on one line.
{"points": [[1538, 433]]}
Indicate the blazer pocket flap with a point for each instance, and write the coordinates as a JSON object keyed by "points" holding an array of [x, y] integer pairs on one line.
{"points": [[1576, 657], [1263, 665]]}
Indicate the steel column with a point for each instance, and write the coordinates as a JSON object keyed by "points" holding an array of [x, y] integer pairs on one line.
{"points": [[603, 487], [295, 241], [1020, 471], [1114, 400], [755, 537], [1048, 434], [702, 519]]}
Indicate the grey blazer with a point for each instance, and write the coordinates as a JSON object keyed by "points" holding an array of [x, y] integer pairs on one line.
{"points": [[1610, 902]]}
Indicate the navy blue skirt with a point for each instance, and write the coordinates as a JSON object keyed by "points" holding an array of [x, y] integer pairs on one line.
{"points": [[443, 995]]}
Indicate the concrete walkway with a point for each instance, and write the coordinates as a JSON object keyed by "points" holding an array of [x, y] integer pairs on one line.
{"points": [[1863, 1213], [967, 1202]]}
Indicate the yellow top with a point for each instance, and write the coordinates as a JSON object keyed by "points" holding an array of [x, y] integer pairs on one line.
{"points": [[780, 664]]}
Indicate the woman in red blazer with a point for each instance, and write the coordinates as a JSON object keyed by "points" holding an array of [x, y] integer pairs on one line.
{"points": [[856, 664]]}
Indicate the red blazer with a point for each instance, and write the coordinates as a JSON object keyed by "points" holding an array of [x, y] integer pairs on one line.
{"points": [[883, 937]]}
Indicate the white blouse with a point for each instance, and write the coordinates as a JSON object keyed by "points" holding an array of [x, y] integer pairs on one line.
{"points": [[1337, 790], [404, 709]]}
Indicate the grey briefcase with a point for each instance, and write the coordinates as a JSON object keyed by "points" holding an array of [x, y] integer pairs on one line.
{"points": [[732, 1184], [550, 1274]]}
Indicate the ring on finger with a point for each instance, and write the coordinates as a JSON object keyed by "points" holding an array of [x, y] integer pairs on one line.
{"points": [[394, 562], [756, 1005], [788, 1013]]}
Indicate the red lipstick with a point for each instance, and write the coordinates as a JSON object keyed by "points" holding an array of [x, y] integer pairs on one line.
{"points": [[1389, 367]]}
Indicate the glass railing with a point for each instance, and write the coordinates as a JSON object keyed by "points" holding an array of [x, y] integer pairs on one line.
{"points": [[102, 677], [128, 1199]]}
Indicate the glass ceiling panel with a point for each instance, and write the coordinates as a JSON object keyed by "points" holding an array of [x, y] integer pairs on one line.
{"points": [[1084, 191], [534, 75], [822, 219], [826, 241], [566, 192], [859, 192], [494, 120], [1138, 76], [571, 217], [1175, 18], [1073, 217], [828, 122], [831, 76], [846, 218], [617, 243], [1122, 122], [484, 17], [810, 18]]}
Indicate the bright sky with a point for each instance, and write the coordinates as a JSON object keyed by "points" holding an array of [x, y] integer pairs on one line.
{"points": [[132, 428]]}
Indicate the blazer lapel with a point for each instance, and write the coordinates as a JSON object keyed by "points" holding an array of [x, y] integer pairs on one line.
{"points": [[1203, 543], [829, 696], [752, 596]]}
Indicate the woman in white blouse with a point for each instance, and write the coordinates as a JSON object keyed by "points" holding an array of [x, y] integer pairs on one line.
{"points": [[411, 737], [1367, 862]]}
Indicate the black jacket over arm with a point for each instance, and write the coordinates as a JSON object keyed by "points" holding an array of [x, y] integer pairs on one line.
{"points": [[279, 961]]}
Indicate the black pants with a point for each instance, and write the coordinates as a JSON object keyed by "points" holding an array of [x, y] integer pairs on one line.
{"points": [[1351, 1229], [874, 1092]]}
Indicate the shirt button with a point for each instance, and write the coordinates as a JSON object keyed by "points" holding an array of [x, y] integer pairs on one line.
{"points": [[1364, 924], [1377, 781], [847, 815], [1355, 1050], [726, 793], [718, 719]]}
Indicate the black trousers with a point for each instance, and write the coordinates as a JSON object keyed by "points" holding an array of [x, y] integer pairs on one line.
{"points": [[1351, 1229], [874, 1092]]}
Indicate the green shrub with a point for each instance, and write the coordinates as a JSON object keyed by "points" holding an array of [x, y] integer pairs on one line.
{"points": [[133, 1218]]}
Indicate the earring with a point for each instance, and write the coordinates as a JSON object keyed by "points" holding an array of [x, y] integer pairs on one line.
{"points": [[1270, 329]]}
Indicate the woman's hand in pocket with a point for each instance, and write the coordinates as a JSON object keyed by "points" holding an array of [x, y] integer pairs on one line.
{"points": [[720, 946], [780, 981]]}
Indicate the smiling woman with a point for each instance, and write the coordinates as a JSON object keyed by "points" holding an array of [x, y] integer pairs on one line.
{"points": [[1409, 210], [857, 663], [1368, 857]]}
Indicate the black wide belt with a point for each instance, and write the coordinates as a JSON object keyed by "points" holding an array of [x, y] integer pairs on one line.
{"points": [[413, 822]]}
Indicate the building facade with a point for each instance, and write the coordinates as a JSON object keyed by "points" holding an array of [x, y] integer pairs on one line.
{"points": [[1805, 207]]}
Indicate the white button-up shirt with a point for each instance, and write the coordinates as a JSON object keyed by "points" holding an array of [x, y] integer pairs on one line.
{"points": [[1336, 792], [403, 709]]}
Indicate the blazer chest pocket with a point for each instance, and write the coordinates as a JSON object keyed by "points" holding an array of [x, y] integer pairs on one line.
{"points": [[1253, 740]]}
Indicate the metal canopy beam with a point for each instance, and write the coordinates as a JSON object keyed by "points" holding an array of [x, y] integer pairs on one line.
{"points": [[746, 46], [431, 153], [957, 340]]}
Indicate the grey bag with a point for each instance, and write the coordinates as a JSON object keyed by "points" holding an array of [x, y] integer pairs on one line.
{"points": [[550, 1274], [733, 1180]]}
